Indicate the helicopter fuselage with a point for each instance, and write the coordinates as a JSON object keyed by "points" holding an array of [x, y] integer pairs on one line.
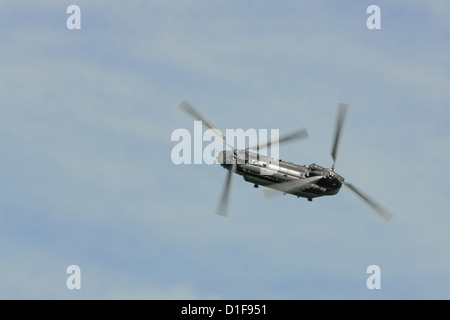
{"points": [[265, 171], [302, 181]]}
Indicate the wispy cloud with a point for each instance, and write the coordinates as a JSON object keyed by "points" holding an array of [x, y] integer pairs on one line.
{"points": [[86, 119]]}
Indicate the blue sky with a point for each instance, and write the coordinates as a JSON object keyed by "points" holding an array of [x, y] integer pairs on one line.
{"points": [[87, 179]]}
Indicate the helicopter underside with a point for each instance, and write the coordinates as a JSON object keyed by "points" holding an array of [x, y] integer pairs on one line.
{"points": [[314, 190], [301, 181]]}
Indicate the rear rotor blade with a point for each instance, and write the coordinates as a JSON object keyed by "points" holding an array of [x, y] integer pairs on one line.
{"points": [[299, 134], [187, 107], [383, 213], [222, 210], [342, 112]]}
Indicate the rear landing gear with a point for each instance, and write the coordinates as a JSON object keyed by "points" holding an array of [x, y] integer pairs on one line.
{"points": [[309, 199], [255, 186]]}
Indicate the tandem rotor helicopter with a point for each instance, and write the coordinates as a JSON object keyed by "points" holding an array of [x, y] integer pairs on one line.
{"points": [[302, 181]]}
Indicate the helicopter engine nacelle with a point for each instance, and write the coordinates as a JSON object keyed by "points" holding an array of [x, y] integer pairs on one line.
{"points": [[225, 157], [316, 169], [314, 166]]}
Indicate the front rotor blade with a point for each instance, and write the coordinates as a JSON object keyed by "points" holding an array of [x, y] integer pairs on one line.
{"points": [[299, 134], [290, 186], [342, 112], [187, 107], [223, 204], [383, 213]]}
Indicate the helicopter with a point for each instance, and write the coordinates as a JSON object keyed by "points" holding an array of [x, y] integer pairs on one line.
{"points": [[280, 176]]}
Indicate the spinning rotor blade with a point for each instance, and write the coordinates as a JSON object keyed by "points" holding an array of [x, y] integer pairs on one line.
{"points": [[189, 108], [223, 205], [342, 112], [299, 134], [271, 193], [290, 186], [383, 213]]}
